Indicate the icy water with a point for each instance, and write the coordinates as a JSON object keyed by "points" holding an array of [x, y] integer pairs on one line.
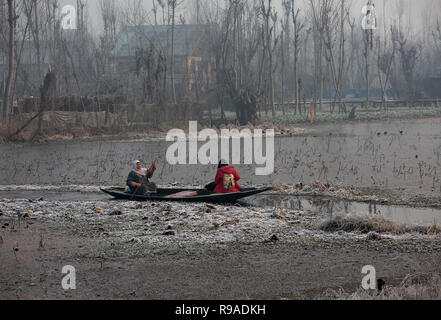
{"points": [[397, 214], [319, 205], [396, 154], [53, 195]]}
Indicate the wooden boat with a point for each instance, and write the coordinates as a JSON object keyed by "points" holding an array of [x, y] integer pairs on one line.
{"points": [[186, 195]]}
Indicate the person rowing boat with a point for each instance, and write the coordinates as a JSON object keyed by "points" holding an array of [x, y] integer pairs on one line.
{"points": [[138, 179]]}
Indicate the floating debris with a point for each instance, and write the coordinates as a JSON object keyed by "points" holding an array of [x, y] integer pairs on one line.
{"points": [[97, 210], [373, 236], [116, 213]]}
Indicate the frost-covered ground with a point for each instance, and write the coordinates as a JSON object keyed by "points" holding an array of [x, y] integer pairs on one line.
{"points": [[169, 250], [163, 222], [201, 223], [134, 250]]}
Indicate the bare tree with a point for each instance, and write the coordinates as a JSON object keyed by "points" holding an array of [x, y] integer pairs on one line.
{"points": [[333, 20], [19, 56], [12, 17], [354, 50], [172, 5], [285, 47], [234, 42], [368, 47], [47, 92], [409, 52], [108, 39], [235, 5], [155, 11], [33, 16], [437, 37], [282, 88], [318, 9], [269, 42], [385, 59], [298, 27]]}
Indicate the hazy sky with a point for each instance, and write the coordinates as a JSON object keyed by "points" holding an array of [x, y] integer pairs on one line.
{"points": [[413, 12]]}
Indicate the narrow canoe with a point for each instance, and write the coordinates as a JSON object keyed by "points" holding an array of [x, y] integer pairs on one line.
{"points": [[186, 195]]}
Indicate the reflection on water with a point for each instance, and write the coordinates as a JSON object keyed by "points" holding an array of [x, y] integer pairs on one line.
{"points": [[405, 215]]}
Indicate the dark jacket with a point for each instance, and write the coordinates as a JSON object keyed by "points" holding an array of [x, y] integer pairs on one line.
{"points": [[135, 177]]}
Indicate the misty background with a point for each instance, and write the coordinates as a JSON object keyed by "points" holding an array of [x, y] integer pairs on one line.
{"points": [[162, 62], [415, 14]]}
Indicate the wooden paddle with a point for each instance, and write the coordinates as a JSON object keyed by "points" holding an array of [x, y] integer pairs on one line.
{"points": [[153, 167]]}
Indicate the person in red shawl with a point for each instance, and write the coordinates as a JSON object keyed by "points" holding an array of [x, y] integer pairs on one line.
{"points": [[226, 179]]}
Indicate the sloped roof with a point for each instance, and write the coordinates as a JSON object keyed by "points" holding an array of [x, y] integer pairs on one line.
{"points": [[188, 40]]}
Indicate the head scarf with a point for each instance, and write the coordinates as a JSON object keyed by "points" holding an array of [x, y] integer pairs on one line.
{"points": [[141, 172]]}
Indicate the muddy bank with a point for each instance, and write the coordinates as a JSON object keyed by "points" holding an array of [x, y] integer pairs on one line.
{"points": [[404, 156], [170, 251]]}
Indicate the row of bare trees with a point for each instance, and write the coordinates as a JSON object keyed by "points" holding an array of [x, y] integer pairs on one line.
{"points": [[36, 43], [258, 56]]}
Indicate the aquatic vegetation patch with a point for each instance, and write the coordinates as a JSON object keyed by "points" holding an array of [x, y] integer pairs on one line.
{"points": [[367, 224]]}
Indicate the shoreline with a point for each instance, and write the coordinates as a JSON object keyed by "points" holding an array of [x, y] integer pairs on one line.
{"points": [[301, 129], [320, 190]]}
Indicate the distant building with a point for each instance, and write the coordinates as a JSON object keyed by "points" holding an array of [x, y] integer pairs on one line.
{"points": [[432, 86], [190, 49]]}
